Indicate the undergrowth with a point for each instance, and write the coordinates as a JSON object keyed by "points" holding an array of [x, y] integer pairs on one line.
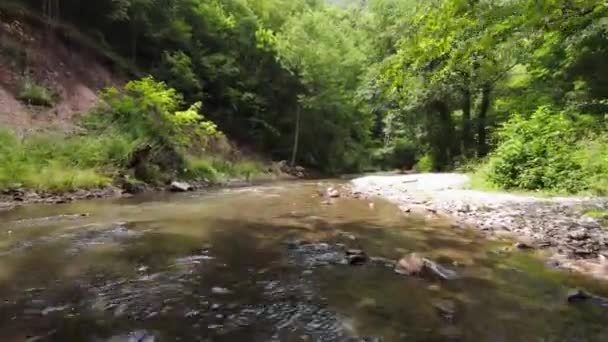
{"points": [[35, 94], [139, 131], [550, 152]]}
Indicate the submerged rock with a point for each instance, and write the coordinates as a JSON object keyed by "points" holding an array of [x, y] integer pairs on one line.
{"points": [[579, 296], [410, 265], [356, 257], [445, 308], [439, 271], [579, 234], [523, 245], [135, 336], [220, 290], [332, 192], [414, 265], [576, 296]]}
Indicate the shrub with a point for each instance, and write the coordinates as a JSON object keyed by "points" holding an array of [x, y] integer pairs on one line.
{"points": [[543, 152], [217, 167], [247, 168], [158, 134], [34, 94], [200, 168], [592, 155], [401, 153], [425, 164]]}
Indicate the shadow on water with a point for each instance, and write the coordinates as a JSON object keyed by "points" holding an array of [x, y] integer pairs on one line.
{"points": [[223, 268]]}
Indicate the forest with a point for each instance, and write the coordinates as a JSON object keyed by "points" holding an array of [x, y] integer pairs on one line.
{"points": [[514, 91]]}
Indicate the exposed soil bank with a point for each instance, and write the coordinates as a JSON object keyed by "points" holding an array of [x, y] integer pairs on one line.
{"points": [[575, 241]]}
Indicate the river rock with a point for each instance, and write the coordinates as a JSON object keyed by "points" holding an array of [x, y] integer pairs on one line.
{"points": [[383, 261], [438, 270], [413, 264], [220, 290], [579, 234], [576, 296], [523, 245], [136, 336], [133, 188], [445, 308], [332, 192], [180, 187], [410, 265], [356, 257]]}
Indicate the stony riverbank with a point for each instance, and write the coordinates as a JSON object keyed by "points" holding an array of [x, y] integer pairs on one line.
{"points": [[12, 198], [559, 225]]}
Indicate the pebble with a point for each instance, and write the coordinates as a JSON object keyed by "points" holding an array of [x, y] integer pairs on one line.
{"points": [[220, 290], [557, 223]]}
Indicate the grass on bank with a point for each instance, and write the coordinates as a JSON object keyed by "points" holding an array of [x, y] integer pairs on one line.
{"points": [[55, 162], [218, 169], [35, 94]]}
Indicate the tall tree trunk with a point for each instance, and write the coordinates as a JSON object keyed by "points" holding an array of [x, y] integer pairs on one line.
{"points": [[446, 148], [133, 41], [467, 145], [296, 139], [482, 146]]}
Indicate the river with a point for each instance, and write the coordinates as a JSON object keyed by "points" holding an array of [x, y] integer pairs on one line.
{"points": [[266, 263]]}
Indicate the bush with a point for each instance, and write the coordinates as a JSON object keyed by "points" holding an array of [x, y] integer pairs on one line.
{"points": [[247, 168], [425, 164], [401, 153], [217, 168], [543, 152], [140, 128], [592, 155], [34, 94], [201, 168], [148, 112]]}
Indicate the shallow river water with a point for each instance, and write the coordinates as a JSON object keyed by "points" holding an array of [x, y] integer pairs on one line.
{"points": [[267, 264]]}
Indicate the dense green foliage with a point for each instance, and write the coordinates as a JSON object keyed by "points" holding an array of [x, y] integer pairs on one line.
{"points": [[451, 73], [363, 84], [540, 152], [138, 130]]}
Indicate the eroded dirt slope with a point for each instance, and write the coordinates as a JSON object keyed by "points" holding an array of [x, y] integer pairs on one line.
{"points": [[72, 73]]}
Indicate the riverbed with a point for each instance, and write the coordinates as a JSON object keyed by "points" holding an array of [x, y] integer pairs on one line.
{"points": [[269, 263]]}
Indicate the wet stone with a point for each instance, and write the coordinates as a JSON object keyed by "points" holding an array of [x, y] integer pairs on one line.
{"points": [[579, 234], [523, 245], [414, 265], [180, 187], [220, 291], [576, 296], [356, 257], [311, 255], [135, 336], [446, 309]]}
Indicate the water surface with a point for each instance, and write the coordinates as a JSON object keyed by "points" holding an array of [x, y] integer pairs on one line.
{"points": [[221, 266]]}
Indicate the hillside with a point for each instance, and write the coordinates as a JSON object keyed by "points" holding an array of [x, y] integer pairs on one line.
{"points": [[30, 57]]}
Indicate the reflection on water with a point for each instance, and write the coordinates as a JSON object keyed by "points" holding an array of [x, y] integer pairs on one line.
{"points": [[218, 267]]}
